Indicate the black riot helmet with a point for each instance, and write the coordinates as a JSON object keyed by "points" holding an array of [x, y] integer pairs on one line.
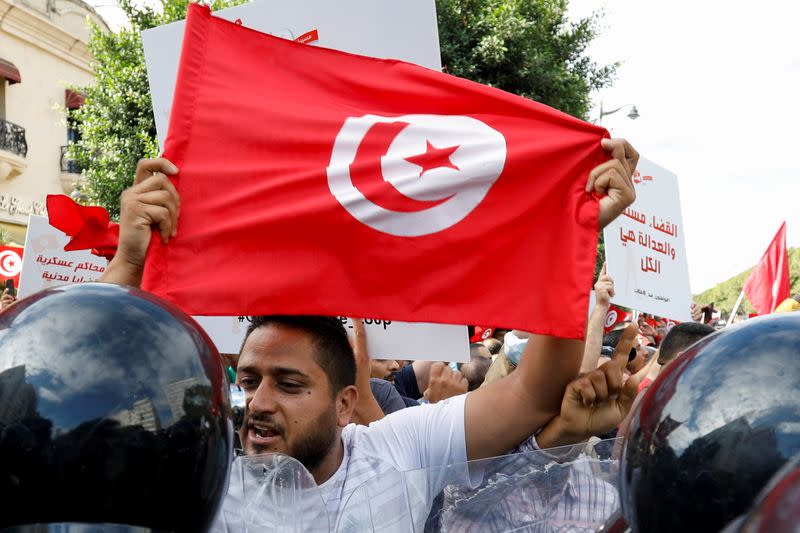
{"points": [[777, 509], [113, 410], [713, 428]]}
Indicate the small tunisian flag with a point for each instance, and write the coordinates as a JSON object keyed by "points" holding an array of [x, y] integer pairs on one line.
{"points": [[768, 285], [314, 181], [10, 264]]}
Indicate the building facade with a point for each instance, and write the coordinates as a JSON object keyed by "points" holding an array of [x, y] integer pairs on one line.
{"points": [[43, 52]]}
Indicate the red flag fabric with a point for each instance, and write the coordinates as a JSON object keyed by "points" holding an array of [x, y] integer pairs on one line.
{"points": [[768, 285], [481, 334], [615, 315], [10, 264], [89, 226], [314, 181]]}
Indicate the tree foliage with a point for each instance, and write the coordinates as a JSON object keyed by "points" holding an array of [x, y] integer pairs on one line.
{"points": [[116, 123], [527, 47]]}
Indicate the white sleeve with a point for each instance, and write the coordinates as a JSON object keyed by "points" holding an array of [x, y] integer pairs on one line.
{"points": [[421, 442], [419, 437]]}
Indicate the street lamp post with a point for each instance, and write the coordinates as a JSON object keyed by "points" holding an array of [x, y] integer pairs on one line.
{"points": [[633, 114]]}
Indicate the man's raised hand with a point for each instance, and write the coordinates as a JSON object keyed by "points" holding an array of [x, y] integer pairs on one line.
{"points": [[604, 288], [614, 179], [444, 383], [152, 202], [597, 401]]}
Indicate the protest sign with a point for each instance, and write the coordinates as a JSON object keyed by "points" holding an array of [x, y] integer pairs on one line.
{"points": [[645, 248], [45, 263], [227, 332], [378, 28], [388, 339]]}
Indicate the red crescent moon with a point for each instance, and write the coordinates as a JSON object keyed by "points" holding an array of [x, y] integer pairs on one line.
{"points": [[367, 177]]}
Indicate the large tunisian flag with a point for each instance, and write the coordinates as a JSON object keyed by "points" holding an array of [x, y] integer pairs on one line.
{"points": [[314, 181], [768, 285]]}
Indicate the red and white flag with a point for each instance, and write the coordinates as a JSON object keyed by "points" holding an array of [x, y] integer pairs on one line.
{"points": [[615, 315], [10, 264], [314, 181], [768, 285]]}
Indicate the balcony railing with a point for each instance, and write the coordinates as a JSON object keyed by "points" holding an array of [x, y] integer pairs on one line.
{"points": [[12, 138], [67, 164]]}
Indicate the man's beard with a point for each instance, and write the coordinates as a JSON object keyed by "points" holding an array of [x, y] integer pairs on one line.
{"points": [[311, 449], [315, 446]]}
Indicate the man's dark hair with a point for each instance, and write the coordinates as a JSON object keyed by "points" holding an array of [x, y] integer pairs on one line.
{"points": [[333, 352], [679, 338], [612, 339], [493, 345], [475, 349], [475, 371]]}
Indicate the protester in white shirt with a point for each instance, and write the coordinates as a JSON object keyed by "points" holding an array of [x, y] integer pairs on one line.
{"points": [[299, 403]]}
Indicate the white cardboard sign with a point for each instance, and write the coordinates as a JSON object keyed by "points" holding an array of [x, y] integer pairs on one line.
{"points": [[645, 248], [385, 339], [405, 30], [45, 264], [388, 339]]}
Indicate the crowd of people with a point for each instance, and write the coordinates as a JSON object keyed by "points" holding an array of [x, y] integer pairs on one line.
{"points": [[356, 423]]}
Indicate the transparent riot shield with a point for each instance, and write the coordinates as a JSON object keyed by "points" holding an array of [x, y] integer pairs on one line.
{"points": [[573, 488], [272, 493]]}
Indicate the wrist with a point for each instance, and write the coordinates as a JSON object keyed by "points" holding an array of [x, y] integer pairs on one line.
{"points": [[556, 433], [123, 272]]}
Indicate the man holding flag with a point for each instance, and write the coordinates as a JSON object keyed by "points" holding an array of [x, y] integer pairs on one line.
{"points": [[313, 228]]}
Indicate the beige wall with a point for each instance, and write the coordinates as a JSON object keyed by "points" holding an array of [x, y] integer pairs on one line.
{"points": [[46, 40]]}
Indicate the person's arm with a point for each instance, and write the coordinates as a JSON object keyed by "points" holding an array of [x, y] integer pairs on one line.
{"points": [[152, 203], [422, 371], [531, 396], [603, 291], [367, 409], [596, 402]]}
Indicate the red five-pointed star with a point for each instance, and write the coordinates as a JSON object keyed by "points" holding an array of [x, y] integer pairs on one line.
{"points": [[434, 158]]}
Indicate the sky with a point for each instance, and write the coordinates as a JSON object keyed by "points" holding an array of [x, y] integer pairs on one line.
{"points": [[716, 86]]}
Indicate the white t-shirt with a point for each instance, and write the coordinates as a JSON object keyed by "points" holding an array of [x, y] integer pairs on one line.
{"points": [[378, 486]]}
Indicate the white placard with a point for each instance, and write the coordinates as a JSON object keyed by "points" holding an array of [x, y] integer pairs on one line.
{"points": [[380, 28], [45, 263], [387, 339], [227, 332], [645, 249]]}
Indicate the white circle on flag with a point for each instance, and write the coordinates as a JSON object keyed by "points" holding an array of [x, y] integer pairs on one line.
{"points": [[10, 264], [479, 160], [611, 318]]}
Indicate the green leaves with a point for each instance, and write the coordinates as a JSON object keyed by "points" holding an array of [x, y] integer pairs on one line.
{"points": [[527, 47], [116, 123]]}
